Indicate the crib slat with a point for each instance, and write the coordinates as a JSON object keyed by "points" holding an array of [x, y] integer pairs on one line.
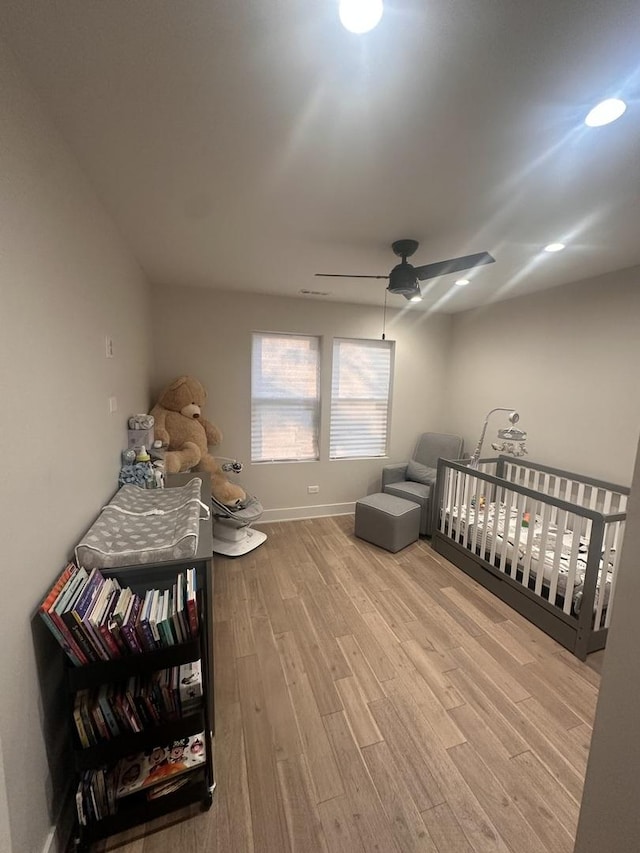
{"points": [[619, 536], [465, 514], [561, 526], [577, 525], [448, 518], [533, 521], [608, 556], [546, 515], [515, 558], [506, 527]]}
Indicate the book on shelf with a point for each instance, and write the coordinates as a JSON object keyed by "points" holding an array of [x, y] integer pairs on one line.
{"points": [[191, 602], [91, 623], [158, 765], [95, 795], [155, 617], [52, 619], [75, 613], [190, 686], [128, 629], [143, 627], [181, 626], [111, 635], [78, 720], [164, 623], [166, 788], [67, 596], [104, 695]]}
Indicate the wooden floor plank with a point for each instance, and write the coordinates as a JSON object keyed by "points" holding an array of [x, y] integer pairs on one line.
{"points": [[445, 830], [303, 821], [409, 753], [315, 663], [320, 759], [339, 827], [361, 794], [363, 726], [408, 827], [495, 800], [234, 827], [280, 713], [367, 680], [273, 599], [268, 822]]}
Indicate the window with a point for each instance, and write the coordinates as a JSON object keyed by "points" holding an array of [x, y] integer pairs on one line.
{"points": [[360, 398], [285, 397]]}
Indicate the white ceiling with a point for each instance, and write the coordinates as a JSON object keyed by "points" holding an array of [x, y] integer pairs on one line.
{"points": [[248, 144]]}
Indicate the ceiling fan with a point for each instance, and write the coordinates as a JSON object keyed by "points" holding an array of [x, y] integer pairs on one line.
{"points": [[405, 279]]}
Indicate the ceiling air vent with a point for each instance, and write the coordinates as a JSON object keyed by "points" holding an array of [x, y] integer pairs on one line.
{"points": [[315, 292]]}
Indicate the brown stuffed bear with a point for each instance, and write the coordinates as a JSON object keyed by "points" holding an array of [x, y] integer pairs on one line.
{"points": [[180, 427]]}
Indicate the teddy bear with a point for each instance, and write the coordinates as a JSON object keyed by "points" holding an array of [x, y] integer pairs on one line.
{"points": [[187, 435]]}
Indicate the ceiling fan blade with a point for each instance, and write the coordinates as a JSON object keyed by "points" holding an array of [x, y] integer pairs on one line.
{"points": [[453, 265], [341, 275]]}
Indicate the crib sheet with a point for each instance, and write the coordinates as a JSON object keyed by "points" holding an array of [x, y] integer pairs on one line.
{"points": [[508, 531]]}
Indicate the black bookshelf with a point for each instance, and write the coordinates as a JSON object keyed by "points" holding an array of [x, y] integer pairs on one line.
{"points": [[135, 808]]}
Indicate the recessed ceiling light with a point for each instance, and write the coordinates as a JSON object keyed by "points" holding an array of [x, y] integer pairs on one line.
{"points": [[360, 16], [605, 112], [554, 247], [462, 282], [416, 299]]}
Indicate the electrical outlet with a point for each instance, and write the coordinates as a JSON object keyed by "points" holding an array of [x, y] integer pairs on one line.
{"points": [[113, 404], [108, 346], [313, 490]]}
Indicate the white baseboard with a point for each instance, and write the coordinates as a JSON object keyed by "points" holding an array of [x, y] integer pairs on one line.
{"points": [[296, 513]]}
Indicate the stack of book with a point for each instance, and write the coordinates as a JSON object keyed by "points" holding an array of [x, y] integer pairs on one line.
{"points": [[137, 704], [94, 618], [96, 795], [157, 772]]}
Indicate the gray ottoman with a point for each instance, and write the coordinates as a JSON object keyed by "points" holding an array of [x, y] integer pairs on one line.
{"points": [[387, 521]]}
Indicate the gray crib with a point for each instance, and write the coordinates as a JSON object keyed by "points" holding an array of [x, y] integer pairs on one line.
{"points": [[545, 541]]}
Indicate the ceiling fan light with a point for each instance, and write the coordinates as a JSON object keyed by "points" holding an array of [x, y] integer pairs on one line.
{"points": [[415, 298], [605, 112], [554, 247], [462, 282], [360, 16]]}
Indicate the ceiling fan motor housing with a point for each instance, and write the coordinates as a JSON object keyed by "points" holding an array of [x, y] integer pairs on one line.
{"points": [[403, 279]]}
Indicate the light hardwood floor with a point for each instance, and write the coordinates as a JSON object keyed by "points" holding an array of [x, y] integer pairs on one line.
{"points": [[367, 701]]}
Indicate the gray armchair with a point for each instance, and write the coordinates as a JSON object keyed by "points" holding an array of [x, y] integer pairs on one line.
{"points": [[415, 480]]}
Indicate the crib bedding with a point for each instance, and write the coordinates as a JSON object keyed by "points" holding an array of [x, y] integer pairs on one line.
{"points": [[530, 547]]}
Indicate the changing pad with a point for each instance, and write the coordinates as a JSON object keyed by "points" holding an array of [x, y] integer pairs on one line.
{"points": [[143, 526]]}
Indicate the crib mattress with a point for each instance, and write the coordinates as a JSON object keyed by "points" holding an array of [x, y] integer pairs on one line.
{"points": [[538, 556], [141, 526]]}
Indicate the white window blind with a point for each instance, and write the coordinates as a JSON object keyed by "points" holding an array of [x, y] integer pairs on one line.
{"points": [[285, 397], [360, 398]]}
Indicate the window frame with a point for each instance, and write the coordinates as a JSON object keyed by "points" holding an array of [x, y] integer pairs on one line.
{"points": [[371, 343], [311, 405]]}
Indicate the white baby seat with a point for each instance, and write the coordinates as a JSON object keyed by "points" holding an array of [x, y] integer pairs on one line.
{"points": [[232, 531]]}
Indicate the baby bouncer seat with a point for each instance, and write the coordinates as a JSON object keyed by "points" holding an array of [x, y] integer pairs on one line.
{"points": [[232, 531]]}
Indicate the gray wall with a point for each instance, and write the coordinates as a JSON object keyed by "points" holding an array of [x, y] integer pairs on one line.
{"points": [[208, 334], [566, 359], [610, 812], [66, 281]]}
